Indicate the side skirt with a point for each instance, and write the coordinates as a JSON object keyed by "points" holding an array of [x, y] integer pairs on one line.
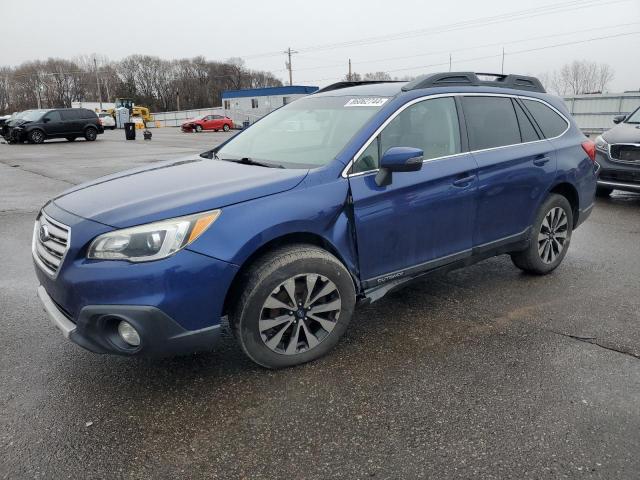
{"points": [[376, 288]]}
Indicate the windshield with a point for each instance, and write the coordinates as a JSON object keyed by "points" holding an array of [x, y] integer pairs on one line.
{"points": [[33, 115], [306, 133], [634, 117]]}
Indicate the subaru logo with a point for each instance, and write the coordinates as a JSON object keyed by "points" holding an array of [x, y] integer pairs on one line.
{"points": [[43, 234]]}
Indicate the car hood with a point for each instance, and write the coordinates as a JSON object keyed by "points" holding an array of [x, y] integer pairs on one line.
{"points": [[623, 133], [171, 189], [193, 120]]}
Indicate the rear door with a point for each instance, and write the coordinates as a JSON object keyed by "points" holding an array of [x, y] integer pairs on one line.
{"points": [[72, 121], [422, 218], [515, 166]]}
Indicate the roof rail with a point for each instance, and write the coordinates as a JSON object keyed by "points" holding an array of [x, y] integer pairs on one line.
{"points": [[339, 85], [472, 79]]}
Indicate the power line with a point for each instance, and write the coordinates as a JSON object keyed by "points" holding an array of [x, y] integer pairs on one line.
{"points": [[507, 53], [475, 47], [477, 22]]}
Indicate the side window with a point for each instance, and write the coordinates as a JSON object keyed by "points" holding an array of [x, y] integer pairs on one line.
{"points": [[227, 105], [431, 125], [549, 121], [491, 122], [53, 116], [217, 117], [527, 131], [254, 103], [68, 114]]}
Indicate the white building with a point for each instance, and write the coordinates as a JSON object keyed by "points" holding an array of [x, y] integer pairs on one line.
{"points": [[251, 104]]}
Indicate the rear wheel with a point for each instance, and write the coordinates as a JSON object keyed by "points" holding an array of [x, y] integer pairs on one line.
{"points": [[550, 237], [603, 191], [90, 134], [225, 127], [36, 136], [294, 306]]}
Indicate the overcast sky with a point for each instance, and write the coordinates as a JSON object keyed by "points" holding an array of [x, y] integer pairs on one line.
{"points": [[257, 30]]}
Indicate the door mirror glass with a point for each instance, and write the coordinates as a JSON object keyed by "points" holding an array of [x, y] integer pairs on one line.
{"points": [[619, 119], [46, 119]]}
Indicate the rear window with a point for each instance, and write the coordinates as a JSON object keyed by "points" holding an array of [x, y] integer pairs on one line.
{"points": [[551, 124], [88, 114], [491, 122]]}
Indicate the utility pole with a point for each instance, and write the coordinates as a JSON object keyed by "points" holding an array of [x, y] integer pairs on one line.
{"points": [[502, 71], [95, 64], [106, 85], [290, 52], [349, 77], [449, 62], [178, 100], [38, 91]]}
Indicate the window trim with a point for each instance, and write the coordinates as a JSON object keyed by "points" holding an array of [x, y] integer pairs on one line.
{"points": [[345, 172]]}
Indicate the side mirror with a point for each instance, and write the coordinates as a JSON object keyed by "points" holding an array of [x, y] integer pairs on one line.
{"points": [[619, 119], [398, 159], [46, 119]]}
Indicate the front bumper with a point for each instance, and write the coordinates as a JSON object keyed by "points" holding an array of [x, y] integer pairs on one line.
{"points": [[176, 303], [96, 329], [618, 175]]}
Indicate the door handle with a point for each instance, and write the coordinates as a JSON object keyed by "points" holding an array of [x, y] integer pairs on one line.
{"points": [[541, 160], [464, 181]]}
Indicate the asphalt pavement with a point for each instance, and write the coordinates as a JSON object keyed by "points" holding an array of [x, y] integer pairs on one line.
{"points": [[480, 373]]}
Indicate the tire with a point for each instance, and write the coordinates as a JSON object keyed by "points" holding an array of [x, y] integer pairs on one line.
{"points": [[550, 237], [71, 139], [36, 136], [267, 332], [603, 191], [90, 134], [226, 127], [198, 128]]}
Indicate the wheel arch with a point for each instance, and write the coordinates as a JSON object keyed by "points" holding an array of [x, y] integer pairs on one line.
{"points": [[294, 238], [570, 192]]}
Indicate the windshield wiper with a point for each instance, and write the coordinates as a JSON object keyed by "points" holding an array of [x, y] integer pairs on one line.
{"points": [[249, 161]]}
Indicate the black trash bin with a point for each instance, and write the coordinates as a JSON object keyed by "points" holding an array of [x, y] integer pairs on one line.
{"points": [[245, 124], [130, 130]]}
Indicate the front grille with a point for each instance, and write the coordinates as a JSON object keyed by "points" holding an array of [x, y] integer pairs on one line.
{"points": [[625, 152], [50, 243]]}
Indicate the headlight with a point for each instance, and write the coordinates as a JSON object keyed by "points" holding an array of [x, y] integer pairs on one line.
{"points": [[152, 241], [601, 144]]}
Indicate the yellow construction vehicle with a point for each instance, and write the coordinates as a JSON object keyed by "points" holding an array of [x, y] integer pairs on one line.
{"points": [[134, 110]]}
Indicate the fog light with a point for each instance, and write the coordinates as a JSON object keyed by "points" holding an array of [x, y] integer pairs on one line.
{"points": [[128, 333]]}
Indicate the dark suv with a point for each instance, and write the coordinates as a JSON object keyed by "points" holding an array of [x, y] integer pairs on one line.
{"points": [[618, 153], [36, 126], [336, 198]]}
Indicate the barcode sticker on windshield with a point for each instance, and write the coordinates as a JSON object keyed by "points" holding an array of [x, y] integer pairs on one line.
{"points": [[366, 102]]}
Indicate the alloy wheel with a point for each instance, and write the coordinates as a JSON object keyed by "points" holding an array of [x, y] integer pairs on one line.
{"points": [[553, 235], [299, 314]]}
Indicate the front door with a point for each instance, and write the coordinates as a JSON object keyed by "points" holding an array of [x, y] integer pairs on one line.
{"points": [[53, 125], [422, 219]]}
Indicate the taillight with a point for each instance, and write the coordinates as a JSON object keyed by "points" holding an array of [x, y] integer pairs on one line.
{"points": [[590, 149]]}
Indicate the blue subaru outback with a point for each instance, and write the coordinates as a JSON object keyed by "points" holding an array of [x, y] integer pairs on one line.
{"points": [[334, 199]]}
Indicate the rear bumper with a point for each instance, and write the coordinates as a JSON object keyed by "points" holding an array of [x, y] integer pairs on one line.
{"points": [[96, 329]]}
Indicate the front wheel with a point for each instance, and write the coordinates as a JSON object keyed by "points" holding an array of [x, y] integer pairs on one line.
{"points": [[198, 128], [225, 127], [550, 237], [294, 305], [36, 136]]}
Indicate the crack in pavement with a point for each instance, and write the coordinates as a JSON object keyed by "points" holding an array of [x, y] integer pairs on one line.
{"points": [[19, 167], [594, 341]]}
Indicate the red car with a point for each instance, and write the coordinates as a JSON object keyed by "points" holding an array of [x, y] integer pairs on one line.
{"points": [[208, 122]]}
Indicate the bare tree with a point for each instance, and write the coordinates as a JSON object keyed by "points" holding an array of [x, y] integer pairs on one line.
{"points": [[579, 77]]}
